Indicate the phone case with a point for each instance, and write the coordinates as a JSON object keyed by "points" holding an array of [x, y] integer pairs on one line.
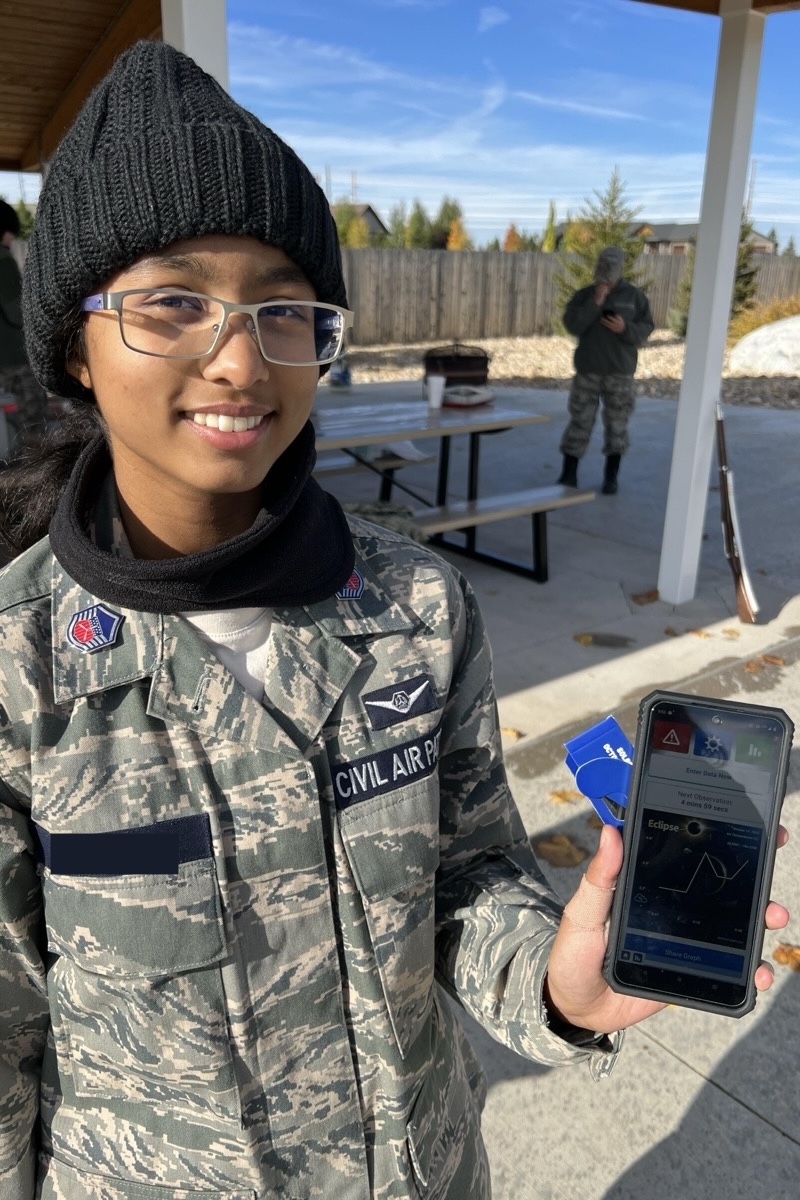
{"points": [[634, 799]]}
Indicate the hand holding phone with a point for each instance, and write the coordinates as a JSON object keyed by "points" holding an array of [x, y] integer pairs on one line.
{"points": [[687, 921]]}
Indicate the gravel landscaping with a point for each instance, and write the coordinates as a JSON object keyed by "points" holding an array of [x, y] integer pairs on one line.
{"points": [[546, 362]]}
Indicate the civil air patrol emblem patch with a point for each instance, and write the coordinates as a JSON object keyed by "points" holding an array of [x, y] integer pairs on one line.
{"points": [[353, 589], [400, 702], [94, 628]]}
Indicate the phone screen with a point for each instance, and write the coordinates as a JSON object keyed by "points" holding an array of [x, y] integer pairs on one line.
{"points": [[711, 781]]}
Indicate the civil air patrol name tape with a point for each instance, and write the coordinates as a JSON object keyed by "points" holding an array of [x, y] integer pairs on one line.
{"points": [[385, 771]]}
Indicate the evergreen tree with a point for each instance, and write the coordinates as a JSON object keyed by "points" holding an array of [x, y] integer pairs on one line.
{"points": [[494, 244], [549, 237], [512, 241], [25, 219], [789, 249], [458, 238], [679, 314], [745, 283], [605, 220], [397, 225], [449, 211], [418, 228], [529, 241], [772, 236]]}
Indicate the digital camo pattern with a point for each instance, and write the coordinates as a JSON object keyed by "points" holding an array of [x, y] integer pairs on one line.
{"points": [[618, 396], [224, 984]]}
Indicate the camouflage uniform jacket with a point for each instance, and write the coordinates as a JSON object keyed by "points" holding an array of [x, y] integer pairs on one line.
{"points": [[226, 927]]}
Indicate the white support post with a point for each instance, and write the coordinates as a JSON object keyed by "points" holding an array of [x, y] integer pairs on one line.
{"points": [[738, 62], [197, 27]]}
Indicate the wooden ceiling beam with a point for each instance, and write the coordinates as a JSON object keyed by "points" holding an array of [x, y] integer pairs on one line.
{"points": [[138, 19], [711, 7]]}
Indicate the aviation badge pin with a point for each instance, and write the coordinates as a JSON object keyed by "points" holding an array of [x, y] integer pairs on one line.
{"points": [[400, 702], [94, 628]]}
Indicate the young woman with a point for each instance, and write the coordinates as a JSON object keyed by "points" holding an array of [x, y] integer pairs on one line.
{"points": [[253, 812]]}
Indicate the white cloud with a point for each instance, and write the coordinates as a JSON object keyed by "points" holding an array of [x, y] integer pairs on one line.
{"points": [[489, 17]]}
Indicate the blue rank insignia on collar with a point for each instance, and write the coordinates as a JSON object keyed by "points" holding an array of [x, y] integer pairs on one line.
{"points": [[94, 628], [353, 589]]}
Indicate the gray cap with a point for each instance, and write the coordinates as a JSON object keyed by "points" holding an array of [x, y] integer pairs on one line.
{"points": [[609, 265]]}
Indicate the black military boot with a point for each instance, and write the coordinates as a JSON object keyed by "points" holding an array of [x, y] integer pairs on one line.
{"points": [[609, 487], [569, 472]]}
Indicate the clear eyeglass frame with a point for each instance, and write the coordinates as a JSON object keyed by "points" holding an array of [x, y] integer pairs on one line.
{"points": [[114, 302]]}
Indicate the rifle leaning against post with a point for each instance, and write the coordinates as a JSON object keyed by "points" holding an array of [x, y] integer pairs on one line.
{"points": [[746, 603]]}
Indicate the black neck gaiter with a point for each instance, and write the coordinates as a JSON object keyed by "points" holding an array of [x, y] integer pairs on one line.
{"points": [[297, 551]]}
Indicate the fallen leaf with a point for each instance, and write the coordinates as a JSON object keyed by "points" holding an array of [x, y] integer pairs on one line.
{"points": [[670, 632], [761, 571], [700, 633], [774, 659], [513, 735], [613, 640], [753, 667], [731, 633], [645, 597], [787, 955], [564, 796], [560, 851]]}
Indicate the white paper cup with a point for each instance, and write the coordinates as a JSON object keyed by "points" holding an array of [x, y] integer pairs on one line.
{"points": [[435, 389]]}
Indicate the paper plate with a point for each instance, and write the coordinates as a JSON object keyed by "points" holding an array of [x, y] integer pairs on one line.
{"points": [[466, 397]]}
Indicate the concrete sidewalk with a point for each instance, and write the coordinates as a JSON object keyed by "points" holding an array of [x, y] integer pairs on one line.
{"points": [[698, 1107]]}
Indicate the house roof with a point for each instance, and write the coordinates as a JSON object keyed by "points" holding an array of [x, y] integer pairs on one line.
{"points": [[370, 216], [675, 231]]}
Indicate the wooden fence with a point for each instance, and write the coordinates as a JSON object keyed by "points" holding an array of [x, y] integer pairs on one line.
{"points": [[440, 295]]}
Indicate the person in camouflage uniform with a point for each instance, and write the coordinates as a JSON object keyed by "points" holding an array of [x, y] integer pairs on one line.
{"points": [[16, 377], [254, 821], [611, 319]]}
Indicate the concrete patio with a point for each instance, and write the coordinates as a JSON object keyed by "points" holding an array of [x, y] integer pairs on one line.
{"points": [[698, 1107]]}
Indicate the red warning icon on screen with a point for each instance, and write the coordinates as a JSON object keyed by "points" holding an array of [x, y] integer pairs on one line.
{"points": [[671, 735]]}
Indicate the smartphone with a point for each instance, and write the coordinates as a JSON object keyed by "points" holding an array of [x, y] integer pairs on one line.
{"points": [[609, 312], [699, 837]]}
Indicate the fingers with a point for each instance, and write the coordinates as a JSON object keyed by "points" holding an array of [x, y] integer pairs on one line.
{"points": [[764, 977], [776, 916], [783, 835]]}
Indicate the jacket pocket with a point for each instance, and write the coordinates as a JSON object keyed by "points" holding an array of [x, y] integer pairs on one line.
{"points": [[139, 1006], [65, 1183], [448, 1158], [392, 846]]}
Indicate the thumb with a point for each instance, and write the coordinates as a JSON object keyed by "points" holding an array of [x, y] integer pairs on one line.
{"points": [[589, 908], [604, 868]]}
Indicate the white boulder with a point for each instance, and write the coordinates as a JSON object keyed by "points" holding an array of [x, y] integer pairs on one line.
{"points": [[770, 350]]}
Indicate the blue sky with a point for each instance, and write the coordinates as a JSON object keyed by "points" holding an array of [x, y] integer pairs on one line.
{"points": [[506, 106]]}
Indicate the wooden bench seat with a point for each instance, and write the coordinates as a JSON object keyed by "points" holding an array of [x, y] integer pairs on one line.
{"points": [[339, 462], [467, 514]]}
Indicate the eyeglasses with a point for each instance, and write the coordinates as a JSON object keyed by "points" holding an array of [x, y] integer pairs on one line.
{"points": [[177, 324]]}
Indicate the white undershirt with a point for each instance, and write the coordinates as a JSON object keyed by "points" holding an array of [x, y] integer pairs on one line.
{"points": [[239, 637]]}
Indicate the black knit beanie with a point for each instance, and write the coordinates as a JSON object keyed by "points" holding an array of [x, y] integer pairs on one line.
{"points": [[158, 153]]}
